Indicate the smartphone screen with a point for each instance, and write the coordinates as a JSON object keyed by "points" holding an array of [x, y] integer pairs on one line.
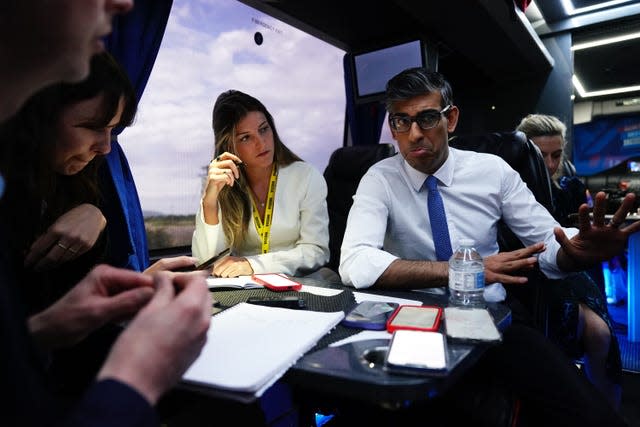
{"points": [[415, 317], [470, 324], [276, 282], [416, 350]]}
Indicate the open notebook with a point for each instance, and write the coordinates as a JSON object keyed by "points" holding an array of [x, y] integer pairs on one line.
{"points": [[240, 282], [249, 347]]}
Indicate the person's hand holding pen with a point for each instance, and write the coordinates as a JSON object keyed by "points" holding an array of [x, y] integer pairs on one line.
{"points": [[223, 170]]}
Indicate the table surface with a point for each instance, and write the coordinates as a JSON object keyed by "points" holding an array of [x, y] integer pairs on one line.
{"points": [[355, 369]]}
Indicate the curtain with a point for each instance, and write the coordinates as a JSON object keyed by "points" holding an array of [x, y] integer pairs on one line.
{"points": [[134, 42], [365, 120]]}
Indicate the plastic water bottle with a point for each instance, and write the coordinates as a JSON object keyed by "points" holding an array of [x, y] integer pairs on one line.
{"points": [[466, 276]]}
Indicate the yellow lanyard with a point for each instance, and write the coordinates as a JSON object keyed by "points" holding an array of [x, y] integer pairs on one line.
{"points": [[264, 228]]}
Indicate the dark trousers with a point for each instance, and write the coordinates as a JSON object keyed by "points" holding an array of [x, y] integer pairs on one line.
{"points": [[548, 386]]}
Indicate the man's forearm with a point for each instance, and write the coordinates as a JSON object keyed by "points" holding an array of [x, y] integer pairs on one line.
{"points": [[403, 274], [41, 331]]}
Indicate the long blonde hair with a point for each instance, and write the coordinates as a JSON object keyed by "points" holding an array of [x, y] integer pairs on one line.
{"points": [[235, 202]]}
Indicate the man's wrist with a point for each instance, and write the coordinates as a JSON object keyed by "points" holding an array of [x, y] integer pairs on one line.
{"points": [[567, 263]]}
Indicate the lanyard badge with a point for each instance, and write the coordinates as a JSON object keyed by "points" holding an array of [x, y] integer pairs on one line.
{"points": [[264, 227]]}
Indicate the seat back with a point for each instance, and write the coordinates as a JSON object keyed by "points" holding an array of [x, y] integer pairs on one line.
{"points": [[346, 166], [520, 153], [526, 159], [568, 168]]}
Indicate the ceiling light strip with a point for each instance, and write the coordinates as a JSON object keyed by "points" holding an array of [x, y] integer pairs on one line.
{"points": [[605, 41], [584, 94], [570, 9]]}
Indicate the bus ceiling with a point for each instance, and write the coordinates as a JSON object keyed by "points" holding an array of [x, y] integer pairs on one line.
{"points": [[494, 37]]}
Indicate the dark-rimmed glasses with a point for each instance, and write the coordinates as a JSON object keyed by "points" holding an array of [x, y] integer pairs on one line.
{"points": [[426, 119]]}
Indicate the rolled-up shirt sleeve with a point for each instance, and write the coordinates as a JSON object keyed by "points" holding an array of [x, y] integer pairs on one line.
{"points": [[362, 257]]}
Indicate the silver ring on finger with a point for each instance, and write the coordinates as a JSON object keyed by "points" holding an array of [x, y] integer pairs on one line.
{"points": [[62, 246]]}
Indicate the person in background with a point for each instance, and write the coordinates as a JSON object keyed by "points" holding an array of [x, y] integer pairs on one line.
{"points": [[169, 313], [389, 242], [260, 199], [578, 318]]}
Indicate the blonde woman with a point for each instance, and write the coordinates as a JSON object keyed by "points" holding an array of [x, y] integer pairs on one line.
{"points": [[260, 199]]}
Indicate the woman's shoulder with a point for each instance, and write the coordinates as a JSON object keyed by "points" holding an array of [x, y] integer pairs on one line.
{"points": [[300, 168]]}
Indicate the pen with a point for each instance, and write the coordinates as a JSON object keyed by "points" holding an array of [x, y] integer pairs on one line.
{"points": [[208, 263]]}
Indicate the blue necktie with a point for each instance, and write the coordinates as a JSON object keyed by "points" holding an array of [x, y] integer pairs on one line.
{"points": [[438, 219]]}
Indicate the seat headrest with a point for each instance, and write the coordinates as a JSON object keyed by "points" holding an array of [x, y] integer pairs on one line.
{"points": [[352, 162], [519, 152]]}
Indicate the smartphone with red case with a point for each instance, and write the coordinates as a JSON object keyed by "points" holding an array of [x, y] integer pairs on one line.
{"points": [[415, 317], [276, 282]]}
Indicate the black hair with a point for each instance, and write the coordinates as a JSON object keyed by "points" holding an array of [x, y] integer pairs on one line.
{"points": [[35, 194], [414, 82]]}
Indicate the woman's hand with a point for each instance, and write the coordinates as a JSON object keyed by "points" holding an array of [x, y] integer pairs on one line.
{"points": [[172, 264], [223, 170], [233, 266], [70, 236]]}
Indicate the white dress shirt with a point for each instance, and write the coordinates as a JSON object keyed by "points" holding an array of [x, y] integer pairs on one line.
{"points": [[389, 218], [299, 238]]}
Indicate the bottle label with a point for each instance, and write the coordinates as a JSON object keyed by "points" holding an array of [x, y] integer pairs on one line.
{"points": [[466, 281]]}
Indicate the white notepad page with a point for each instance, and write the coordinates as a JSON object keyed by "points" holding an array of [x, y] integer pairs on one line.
{"points": [[250, 346], [240, 282]]}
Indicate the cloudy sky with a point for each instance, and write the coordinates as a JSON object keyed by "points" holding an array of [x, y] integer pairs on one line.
{"points": [[209, 48]]}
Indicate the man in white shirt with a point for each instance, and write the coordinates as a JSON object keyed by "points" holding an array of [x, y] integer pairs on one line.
{"points": [[388, 241], [388, 244]]}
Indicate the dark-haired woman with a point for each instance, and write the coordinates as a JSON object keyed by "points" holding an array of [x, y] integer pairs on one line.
{"points": [[51, 154]]}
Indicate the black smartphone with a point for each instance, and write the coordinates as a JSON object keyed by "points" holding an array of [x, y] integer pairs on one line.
{"points": [[371, 315], [294, 302]]}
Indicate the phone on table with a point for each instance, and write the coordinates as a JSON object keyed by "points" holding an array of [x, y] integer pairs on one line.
{"points": [[371, 315], [415, 317], [470, 324], [276, 282], [294, 302], [417, 352]]}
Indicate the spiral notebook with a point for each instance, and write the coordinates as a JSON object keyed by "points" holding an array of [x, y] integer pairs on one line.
{"points": [[249, 347]]}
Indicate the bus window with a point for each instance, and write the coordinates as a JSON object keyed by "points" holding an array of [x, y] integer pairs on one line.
{"points": [[208, 48]]}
